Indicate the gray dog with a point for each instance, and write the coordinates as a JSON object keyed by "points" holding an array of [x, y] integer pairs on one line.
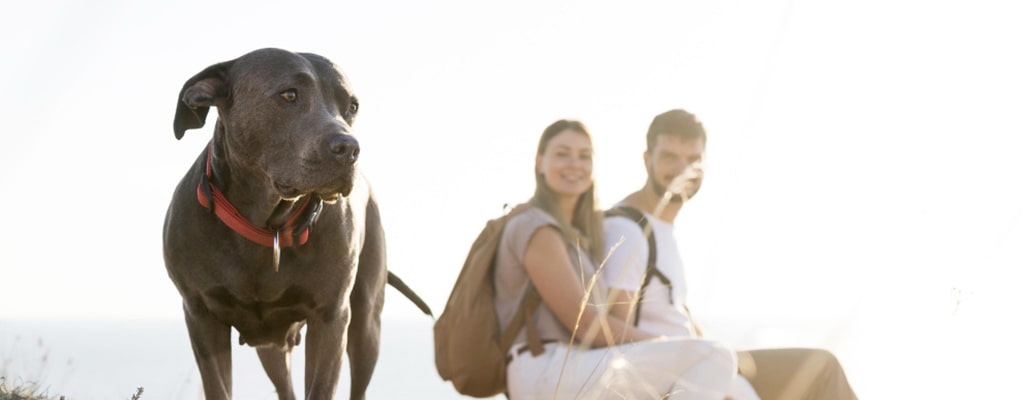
{"points": [[273, 229]]}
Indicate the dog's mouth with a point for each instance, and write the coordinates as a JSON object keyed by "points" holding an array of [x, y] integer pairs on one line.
{"points": [[330, 193], [333, 192], [330, 198], [286, 191]]}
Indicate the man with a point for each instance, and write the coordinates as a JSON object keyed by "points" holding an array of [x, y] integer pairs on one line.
{"points": [[675, 152]]}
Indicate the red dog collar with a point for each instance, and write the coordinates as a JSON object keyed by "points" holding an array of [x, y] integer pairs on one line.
{"points": [[286, 236]]}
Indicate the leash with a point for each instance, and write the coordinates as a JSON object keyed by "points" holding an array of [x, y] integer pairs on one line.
{"points": [[290, 234]]}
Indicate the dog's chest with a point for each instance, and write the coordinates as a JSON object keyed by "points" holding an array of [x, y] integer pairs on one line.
{"points": [[307, 278], [240, 307]]}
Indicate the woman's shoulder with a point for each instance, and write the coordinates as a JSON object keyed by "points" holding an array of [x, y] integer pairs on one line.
{"points": [[526, 219], [522, 225], [529, 218]]}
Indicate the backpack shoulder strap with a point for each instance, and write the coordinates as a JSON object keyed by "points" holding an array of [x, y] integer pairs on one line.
{"points": [[652, 256], [652, 245], [524, 316], [638, 217]]}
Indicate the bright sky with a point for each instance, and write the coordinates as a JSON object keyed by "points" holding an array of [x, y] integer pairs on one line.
{"points": [[863, 177]]}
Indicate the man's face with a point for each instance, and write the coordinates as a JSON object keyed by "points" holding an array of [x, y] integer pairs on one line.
{"points": [[671, 157]]}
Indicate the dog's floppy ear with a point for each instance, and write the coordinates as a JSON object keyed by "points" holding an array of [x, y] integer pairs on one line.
{"points": [[197, 95]]}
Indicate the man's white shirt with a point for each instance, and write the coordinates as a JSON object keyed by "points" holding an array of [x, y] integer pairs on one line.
{"points": [[627, 263], [624, 269]]}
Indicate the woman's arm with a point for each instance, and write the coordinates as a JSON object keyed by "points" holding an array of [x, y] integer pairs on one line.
{"points": [[563, 290], [621, 306]]}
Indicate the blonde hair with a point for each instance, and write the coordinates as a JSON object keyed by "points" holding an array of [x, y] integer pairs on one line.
{"points": [[586, 224]]}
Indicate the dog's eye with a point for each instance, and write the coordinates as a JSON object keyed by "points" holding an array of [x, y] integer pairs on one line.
{"points": [[290, 95], [353, 107]]}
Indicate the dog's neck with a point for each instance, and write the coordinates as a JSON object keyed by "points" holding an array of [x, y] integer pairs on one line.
{"points": [[255, 199]]}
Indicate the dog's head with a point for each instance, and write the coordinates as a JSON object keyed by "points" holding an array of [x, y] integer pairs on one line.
{"points": [[286, 117]]}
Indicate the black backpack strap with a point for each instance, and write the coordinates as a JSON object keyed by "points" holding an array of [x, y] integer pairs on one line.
{"points": [[652, 257]]}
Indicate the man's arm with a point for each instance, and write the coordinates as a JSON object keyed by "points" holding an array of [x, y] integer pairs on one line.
{"points": [[624, 267]]}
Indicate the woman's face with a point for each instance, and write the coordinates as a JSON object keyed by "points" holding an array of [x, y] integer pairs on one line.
{"points": [[566, 164]]}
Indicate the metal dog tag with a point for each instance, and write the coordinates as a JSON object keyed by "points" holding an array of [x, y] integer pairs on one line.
{"points": [[277, 250]]}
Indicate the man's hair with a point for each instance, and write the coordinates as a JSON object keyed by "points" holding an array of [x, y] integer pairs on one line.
{"points": [[676, 122]]}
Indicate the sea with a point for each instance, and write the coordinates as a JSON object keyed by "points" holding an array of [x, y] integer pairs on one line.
{"points": [[111, 359], [108, 359]]}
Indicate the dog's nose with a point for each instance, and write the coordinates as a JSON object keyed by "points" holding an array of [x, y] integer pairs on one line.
{"points": [[344, 147]]}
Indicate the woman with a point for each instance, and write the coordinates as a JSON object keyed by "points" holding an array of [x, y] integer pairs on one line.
{"points": [[551, 246]]}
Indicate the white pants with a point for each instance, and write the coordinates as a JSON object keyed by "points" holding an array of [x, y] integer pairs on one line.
{"points": [[678, 368]]}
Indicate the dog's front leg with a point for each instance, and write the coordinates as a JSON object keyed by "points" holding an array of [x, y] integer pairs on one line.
{"points": [[364, 343], [325, 343], [367, 301], [211, 344], [277, 363]]}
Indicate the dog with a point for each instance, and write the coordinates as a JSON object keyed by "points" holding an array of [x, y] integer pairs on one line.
{"points": [[273, 229]]}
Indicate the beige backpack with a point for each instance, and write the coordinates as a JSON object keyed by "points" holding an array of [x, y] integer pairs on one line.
{"points": [[469, 349]]}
